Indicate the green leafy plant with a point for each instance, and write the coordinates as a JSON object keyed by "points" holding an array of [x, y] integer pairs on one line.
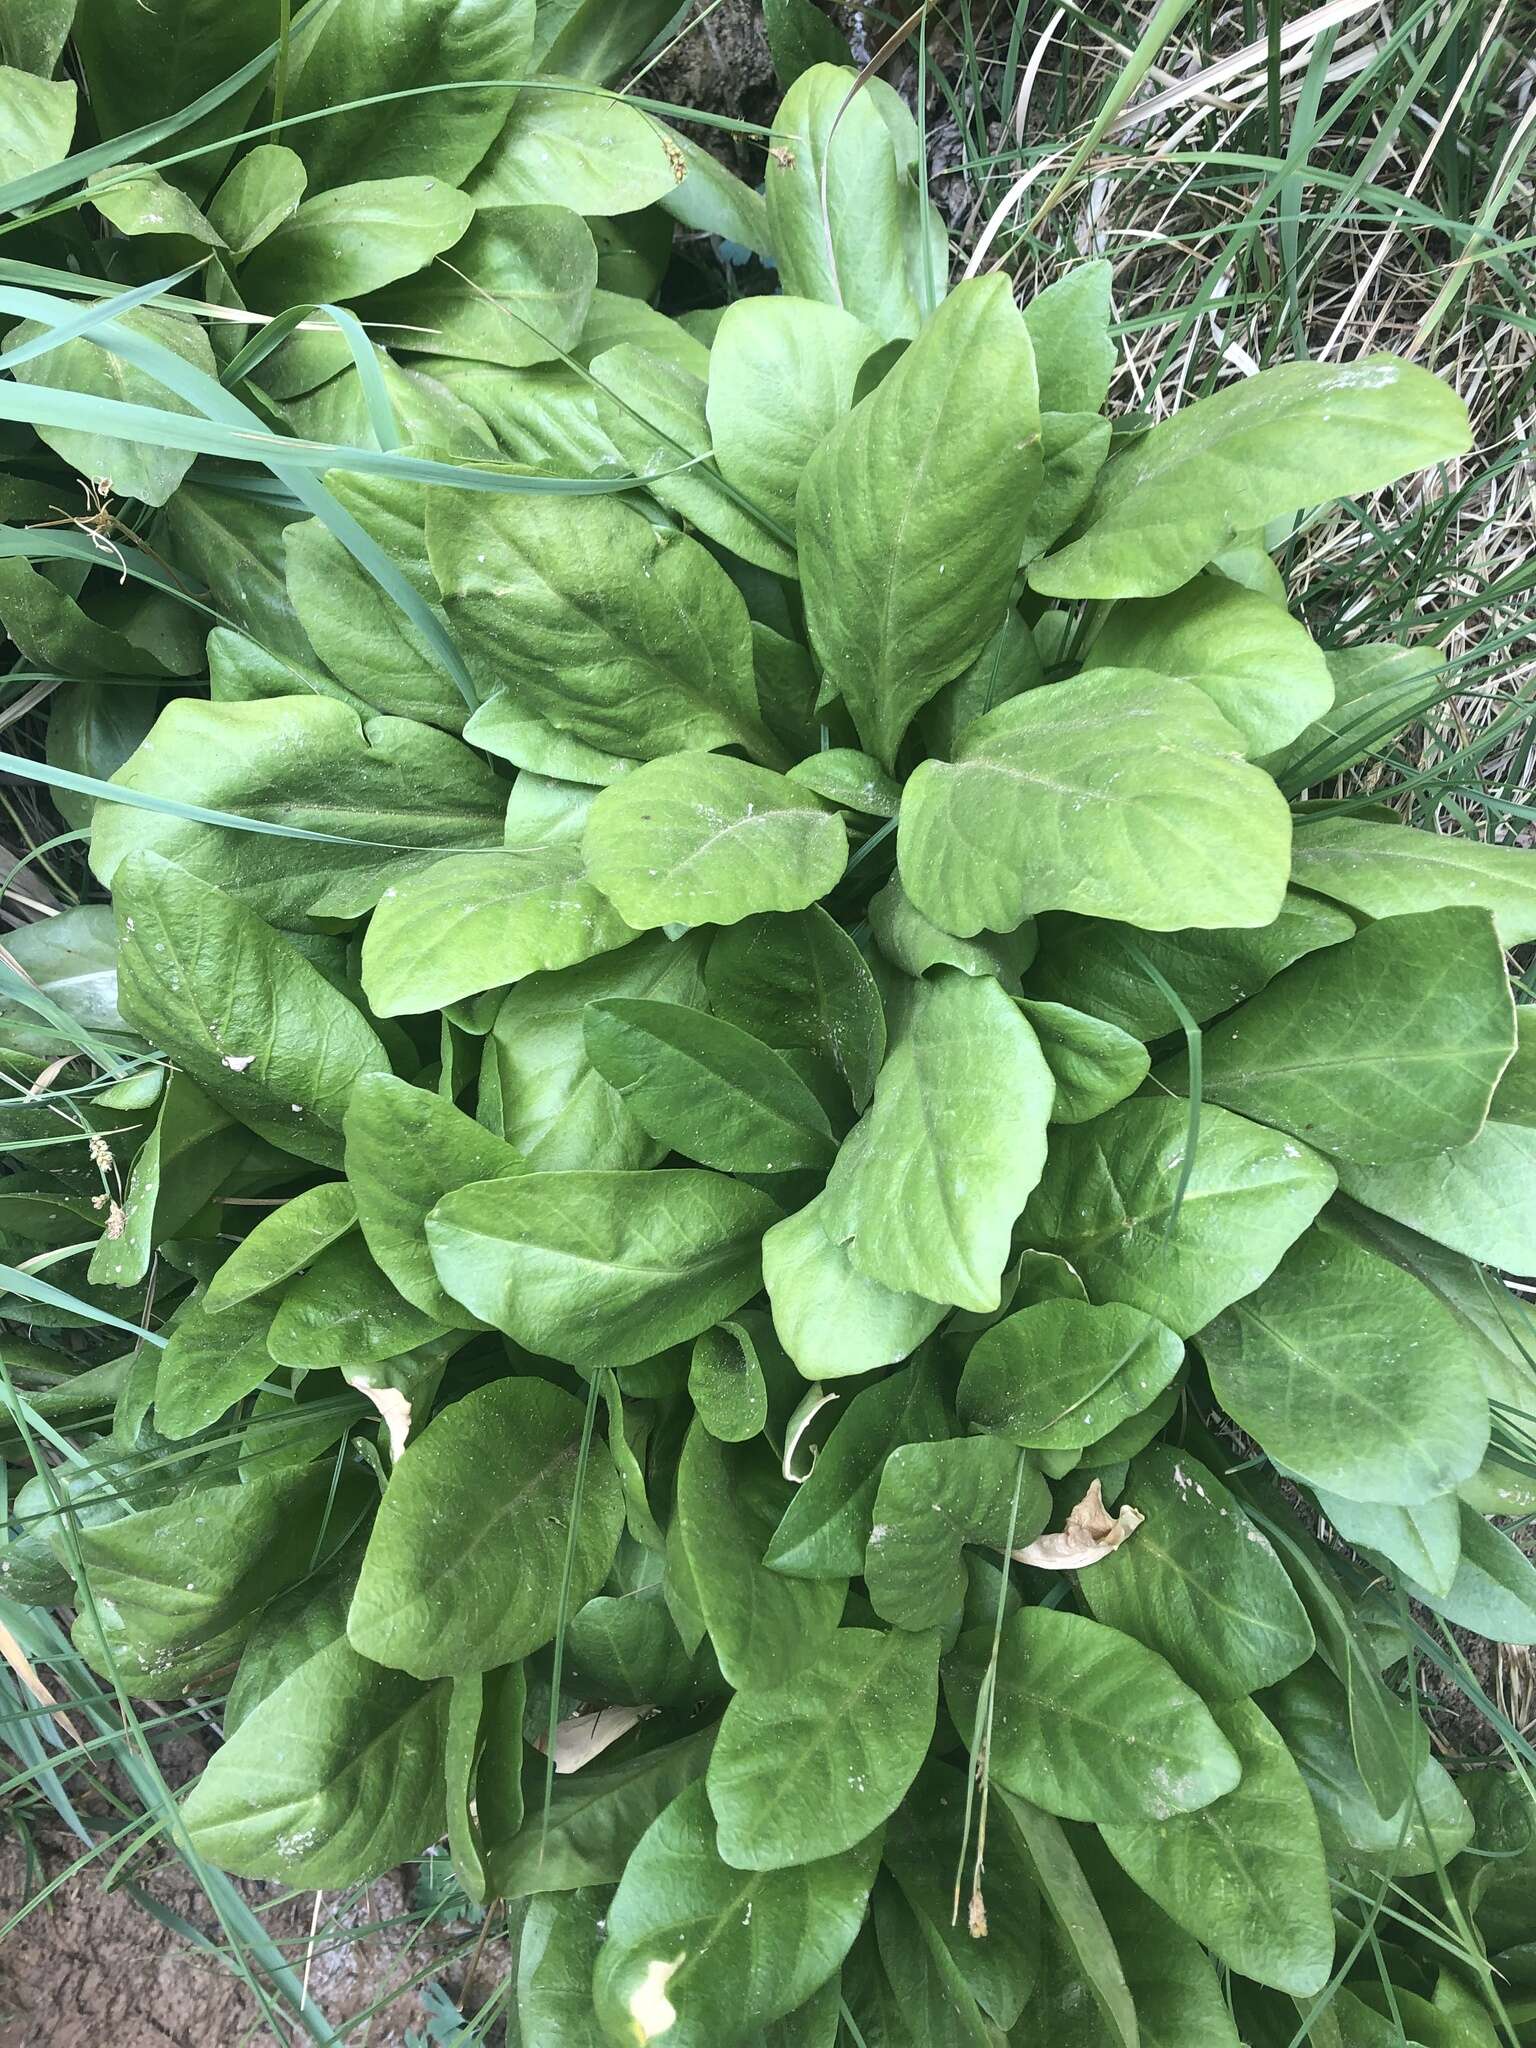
{"points": [[723, 1014]]}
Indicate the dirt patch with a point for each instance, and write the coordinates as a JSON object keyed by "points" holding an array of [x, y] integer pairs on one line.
{"points": [[90, 1967], [722, 64]]}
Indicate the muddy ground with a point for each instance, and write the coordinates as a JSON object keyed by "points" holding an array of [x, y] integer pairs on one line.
{"points": [[93, 1969]]}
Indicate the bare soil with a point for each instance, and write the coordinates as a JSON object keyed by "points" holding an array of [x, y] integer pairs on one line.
{"points": [[93, 1969]]}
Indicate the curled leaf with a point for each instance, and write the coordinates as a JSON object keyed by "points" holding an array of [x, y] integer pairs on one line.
{"points": [[1092, 1533]]}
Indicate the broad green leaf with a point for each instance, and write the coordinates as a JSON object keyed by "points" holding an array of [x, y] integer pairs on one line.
{"points": [[633, 251], [927, 1188], [927, 1989], [1108, 1203], [826, 1526], [1062, 1374], [632, 640], [925, 1844], [464, 1566], [706, 1088], [914, 943], [852, 780], [623, 1646], [911, 513], [72, 959], [781, 376], [257, 196], [714, 201], [933, 1499], [1484, 1310], [289, 1631], [513, 732], [484, 1771], [586, 150], [1461, 2009], [601, 1269], [1385, 1049], [593, 38], [1095, 1064], [1258, 665], [1200, 1584], [704, 839], [808, 1768], [138, 201], [1087, 1723], [1073, 447], [800, 984], [333, 1778], [211, 1362], [537, 1086], [405, 1149], [701, 1955], [1423, 1541], [344, 1312], [380, 655], [653, 411], [367, 49], [1245, 1875], [1177, 1994], [876, 248], [1311, 1713], [478, 921], [1092, 964], [233, 548], [546, 415], [597, 1815], [1494, 1590], [788, 683], [1499, 1890], [1068, 323], [287, 1239], [92, 730], [179, 1583], [763, 1626], [378, 787], [239, 1008], [343, 243], [185, 1159], [1076, 1919], [33, 35], [1356, 1655], [1385, 871], [1352, 1376], [1514, 1100], [833, 1320], [1108, 1453], [1115, 795], [129, 469], [616, 318], [560, 1941], [519, 290], [800, 35], [1478, 1198], [139, 70], [1006, 667], [726, 1384], [1265, 448], [1378, 689]]}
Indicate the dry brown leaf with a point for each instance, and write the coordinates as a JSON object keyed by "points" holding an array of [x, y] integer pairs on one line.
{"points": [[582, 1737], [26, 1671], [1092, 1534]]}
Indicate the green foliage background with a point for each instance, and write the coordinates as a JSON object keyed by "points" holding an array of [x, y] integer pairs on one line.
{"points": [[732, 994]]}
